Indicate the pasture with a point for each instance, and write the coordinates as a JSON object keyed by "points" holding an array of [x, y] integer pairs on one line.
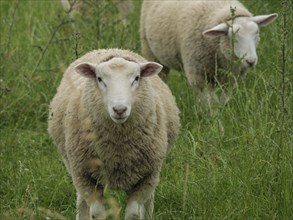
{"points": [[235, 165]]}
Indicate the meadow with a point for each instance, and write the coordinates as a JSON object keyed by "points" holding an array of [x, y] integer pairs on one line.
{"points": [[235, 165]]}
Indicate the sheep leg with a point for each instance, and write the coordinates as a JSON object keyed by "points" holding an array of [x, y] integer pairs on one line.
{"points": [[225, 97], [97, 211], [91, 206], [210, 99], [139, 208], [205, 93], [149, 207], [83, 210], [134, 211], [199, 87], [140, 201]]}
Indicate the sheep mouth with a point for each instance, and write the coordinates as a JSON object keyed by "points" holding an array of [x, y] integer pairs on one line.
{"points": [[119, 119]]}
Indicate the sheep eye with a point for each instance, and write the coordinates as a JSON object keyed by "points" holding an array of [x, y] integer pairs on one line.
{"points": [[101, 82], [136, 79]]}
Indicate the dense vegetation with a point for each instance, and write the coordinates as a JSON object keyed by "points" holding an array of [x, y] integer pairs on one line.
{"points": [[235, 165]]}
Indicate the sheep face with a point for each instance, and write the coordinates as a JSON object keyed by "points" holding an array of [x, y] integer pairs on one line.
{"points": [[246, 37], [118, 80], [243, 32]]}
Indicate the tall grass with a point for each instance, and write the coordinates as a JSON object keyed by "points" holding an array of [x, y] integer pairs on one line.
{"points": [[236, 165]]}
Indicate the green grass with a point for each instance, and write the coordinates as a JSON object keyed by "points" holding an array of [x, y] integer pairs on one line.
{"points": [[236, 165]]}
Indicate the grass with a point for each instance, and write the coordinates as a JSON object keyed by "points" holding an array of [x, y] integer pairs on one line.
{"points": [[236, 165]]}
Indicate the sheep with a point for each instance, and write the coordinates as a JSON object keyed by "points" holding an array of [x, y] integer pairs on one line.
{"points": [[113, 121], [197, 36]]}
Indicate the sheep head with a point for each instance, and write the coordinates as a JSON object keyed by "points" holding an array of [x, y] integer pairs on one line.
{"points": [[243, 32], [118, 79]]}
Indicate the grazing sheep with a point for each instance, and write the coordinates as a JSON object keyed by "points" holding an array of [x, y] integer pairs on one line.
{"points": [[113, 120], [197, 36]]}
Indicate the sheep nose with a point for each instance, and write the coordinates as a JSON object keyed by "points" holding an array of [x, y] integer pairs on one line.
{"points": [[250, 63], [119, 109]]}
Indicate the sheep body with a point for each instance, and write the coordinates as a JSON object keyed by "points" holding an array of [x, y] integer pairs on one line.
{"points": [[97, 151], [175, 33]]}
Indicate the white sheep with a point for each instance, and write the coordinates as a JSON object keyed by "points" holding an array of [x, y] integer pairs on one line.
{"points": [[196, 36], [113, 120]]}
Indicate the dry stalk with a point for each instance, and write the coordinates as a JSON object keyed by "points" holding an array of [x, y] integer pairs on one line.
{"points": [[56, 29]]}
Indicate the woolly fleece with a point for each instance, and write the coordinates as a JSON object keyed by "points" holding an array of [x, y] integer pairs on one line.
{"points": [[98, 152]]}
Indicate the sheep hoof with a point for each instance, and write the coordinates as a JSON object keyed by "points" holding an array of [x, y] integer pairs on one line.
{"points": [[133, 217]]}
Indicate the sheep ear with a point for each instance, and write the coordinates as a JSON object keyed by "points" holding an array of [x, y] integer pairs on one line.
{"points": [[264, 20], [218, 30], [150, 69], [86, 69]]}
